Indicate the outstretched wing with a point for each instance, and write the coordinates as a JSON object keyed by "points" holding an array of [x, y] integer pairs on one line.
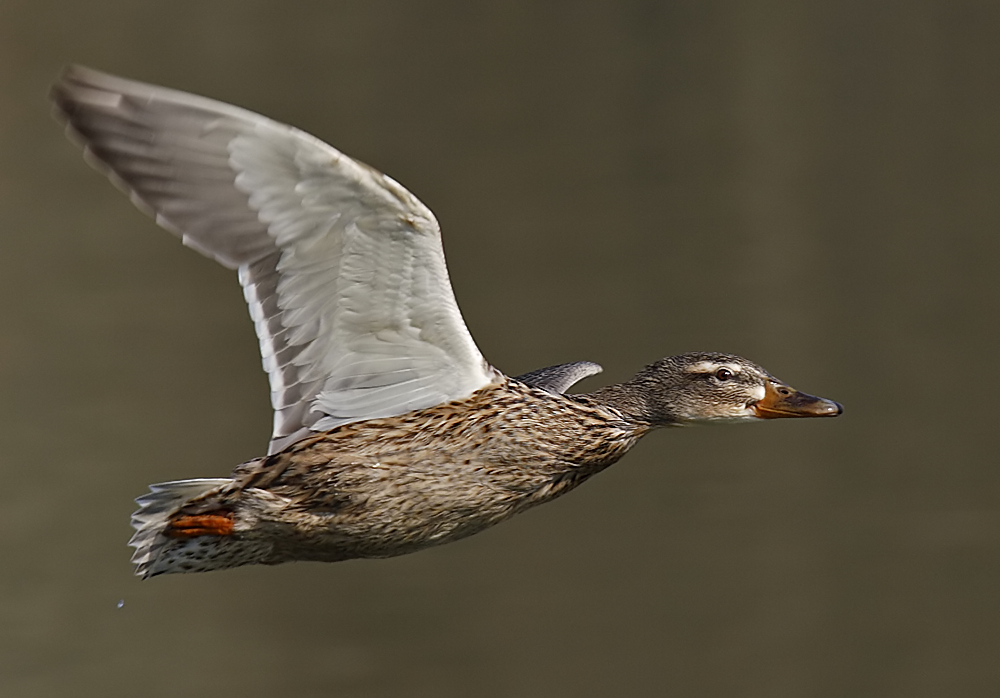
{"points": [[342, 268]]}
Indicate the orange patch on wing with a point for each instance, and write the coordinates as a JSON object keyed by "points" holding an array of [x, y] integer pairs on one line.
{"points": [[219, 523]]}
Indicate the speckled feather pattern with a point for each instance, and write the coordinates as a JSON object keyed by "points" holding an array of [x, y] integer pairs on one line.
{"points": [[391, 486]]}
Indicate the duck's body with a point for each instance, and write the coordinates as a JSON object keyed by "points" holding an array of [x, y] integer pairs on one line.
{"points": [[391, 486], [391, 432]]}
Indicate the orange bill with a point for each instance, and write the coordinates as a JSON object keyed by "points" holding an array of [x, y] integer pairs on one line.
{"points": [[782, 401]]}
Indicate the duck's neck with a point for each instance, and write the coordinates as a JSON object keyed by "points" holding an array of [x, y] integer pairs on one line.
{"points": [[636, 402]]}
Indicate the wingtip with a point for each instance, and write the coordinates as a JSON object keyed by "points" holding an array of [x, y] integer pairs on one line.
{"points": [[72, 78], [79, 87], [76, 74]]}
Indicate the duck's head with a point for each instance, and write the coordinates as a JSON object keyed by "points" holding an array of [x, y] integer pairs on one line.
{"points": [[711, 387]]}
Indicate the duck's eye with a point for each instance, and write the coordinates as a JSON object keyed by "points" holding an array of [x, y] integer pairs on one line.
{"points": [[723, 374]]}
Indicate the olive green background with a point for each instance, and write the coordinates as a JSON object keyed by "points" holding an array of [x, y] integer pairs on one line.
{"points": [[812, 185]]}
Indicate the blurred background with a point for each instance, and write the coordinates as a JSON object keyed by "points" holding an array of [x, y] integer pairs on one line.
{"points": [[811, 185]]}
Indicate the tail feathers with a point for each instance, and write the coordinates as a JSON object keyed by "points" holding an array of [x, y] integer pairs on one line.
{"points": [[155, 509]]}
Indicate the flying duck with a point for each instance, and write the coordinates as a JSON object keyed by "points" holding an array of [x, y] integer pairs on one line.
{"points": [[391, 431]]}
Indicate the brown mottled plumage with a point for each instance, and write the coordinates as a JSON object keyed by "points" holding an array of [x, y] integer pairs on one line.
{"points": [[392, 432], [391, 486]]}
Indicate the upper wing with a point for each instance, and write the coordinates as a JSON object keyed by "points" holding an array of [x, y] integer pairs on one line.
{"points": [[342, 268], [558, 379]]}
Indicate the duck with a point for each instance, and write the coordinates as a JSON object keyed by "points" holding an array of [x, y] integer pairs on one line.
{"points": [[392, 433]]}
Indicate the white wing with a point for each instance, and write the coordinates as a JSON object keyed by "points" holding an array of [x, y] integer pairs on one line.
{"points": [[343, 268]]}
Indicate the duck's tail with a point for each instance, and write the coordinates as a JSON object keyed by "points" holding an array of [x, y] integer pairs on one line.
{"points": [[165, 542]]}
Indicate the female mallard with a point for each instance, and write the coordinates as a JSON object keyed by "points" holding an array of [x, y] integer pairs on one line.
{"points": [[391, 431]]}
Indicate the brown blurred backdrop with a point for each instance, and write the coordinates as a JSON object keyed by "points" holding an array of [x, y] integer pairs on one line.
{"points": [[812, 185]]}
